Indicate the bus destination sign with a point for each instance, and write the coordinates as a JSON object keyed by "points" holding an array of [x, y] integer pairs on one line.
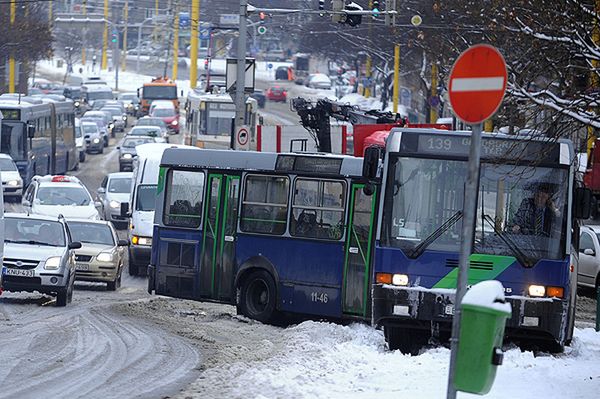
{"points": [[11, 114]]}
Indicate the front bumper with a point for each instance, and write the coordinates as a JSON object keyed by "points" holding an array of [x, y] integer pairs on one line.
{"points": [[97, 273], [140, 254], [431, 309], [12, 191], [43, 282], [126, 163], [114, 215]]}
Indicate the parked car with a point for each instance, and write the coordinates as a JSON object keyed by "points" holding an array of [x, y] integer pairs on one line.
{"points": [[12, 183], [94, 142], [276, 93], [281, 73], [127, 151], [59, 195], [260, 98], [319, 81], [588, 272], [113, 191], [80, 142], [38, 256], [169, 116], [101, 256]]}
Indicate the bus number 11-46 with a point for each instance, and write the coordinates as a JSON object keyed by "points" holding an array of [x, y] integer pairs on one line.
{"points": [[319, 297]]}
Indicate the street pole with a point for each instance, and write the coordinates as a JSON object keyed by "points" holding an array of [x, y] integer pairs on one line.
{"points": [[116, 54], [594, 79], [139, 41], [104, 62], [126, 20], [175, 42], [368, 76], [396, 77], [50, 12], [11, 60], [469, 209], [195, 23], [240, 82], [84, 9]]}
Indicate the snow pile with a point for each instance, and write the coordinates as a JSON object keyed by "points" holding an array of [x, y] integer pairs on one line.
{"points": [[323, 360]]}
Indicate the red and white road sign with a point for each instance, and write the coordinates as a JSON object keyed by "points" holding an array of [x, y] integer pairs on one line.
{"points": [[477, 83], [242, 136]]}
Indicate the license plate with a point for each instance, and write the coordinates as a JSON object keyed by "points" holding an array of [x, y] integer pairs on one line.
{"points": [[82, 267], [19, 272], [449, 310]]}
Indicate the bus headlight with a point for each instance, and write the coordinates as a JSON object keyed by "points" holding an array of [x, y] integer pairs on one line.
{"points": [[400, 279], [537, 290], [136, 240], [114, 204]]}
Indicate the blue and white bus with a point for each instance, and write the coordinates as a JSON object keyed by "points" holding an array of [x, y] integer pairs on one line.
{"points": [[269, 233], [526, 235], [32, 133]]}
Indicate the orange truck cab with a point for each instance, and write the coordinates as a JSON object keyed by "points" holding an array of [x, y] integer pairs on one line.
{"points": [[161, 88]]}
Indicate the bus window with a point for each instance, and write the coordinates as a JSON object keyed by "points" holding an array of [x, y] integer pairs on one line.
{"points": [[183, 204], [264, 209], [318, 209]]}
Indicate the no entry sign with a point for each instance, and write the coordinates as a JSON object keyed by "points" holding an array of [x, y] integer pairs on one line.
{"points": [[477, 83]]}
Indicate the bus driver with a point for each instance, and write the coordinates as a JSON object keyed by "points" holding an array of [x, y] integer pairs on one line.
{"points": [[536, 215]]}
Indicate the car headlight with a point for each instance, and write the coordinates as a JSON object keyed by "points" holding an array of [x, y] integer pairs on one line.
{"points": [[124, 117], [137, 107], [175, 123], [76, 103], [13, 183], [114, 204], [104, 257], [52, 263], [136, 240], [96, 141], [110, 125], [127, 156]]}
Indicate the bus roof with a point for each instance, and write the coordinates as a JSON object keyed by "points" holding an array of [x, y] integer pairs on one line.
{"points": [[322, 164]]}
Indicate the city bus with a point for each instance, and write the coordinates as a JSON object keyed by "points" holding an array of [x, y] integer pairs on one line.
{"points": [[269, 233], [32, 133], [209, 119], [526, 235]]}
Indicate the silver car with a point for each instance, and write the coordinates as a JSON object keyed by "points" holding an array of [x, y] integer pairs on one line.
{"points": [[127, 151], [94, 142], [113, 191], [119, 117], [38, 256], [101, 256], [588, 271]]}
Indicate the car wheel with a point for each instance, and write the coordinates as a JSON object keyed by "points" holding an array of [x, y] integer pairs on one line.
{"points": [[408, 341], [258, 296], [133, 269], [62, 298], [70, 291], [112, 285], [102, 150], [82, 156]]}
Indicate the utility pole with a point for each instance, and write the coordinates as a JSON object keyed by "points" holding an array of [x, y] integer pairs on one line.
{"points": [[433, 116], [175, 41], [126, 21], [50, 12], [11, 60], [194, 43], [396, 77], [104, 62], [594, 79], [84, 9], [240, 82]]}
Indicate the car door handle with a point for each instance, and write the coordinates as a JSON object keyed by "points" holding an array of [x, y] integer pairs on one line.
{"points": [[353, 250], [229, 238]]}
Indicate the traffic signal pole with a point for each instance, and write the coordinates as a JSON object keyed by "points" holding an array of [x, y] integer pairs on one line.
{"points": [[396, 77], [125, 19], [240, 82], [175, 42], [11, 60], [104, 62], [195, 22]]}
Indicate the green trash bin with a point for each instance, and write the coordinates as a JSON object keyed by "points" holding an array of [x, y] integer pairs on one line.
{"points": [[484, 314]]}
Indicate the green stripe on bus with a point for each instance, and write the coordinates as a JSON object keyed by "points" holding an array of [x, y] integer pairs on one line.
{"points": [[500, 264], [161, 180]]}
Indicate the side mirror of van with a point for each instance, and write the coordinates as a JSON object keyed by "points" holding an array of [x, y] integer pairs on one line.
{"points": [[582, 204], [371, 163], [125, 209], [30, 131]]}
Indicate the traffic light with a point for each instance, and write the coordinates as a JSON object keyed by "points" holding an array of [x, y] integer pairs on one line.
{"points": [[375, 8], [114, 38], [321, 5], [262, 15]]}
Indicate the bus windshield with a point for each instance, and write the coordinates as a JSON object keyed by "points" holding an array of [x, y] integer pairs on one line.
{"points": [[160, 92], [146, 196], [99, 95], [13, 140]]}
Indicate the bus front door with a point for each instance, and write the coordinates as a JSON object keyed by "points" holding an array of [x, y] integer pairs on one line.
{"points": [[218, 247], [356, 279]]}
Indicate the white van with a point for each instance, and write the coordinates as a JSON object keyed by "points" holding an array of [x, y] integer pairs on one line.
{"points": [[142, 199]]}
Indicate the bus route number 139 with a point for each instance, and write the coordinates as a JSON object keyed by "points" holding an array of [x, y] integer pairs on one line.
{"points": [[319, 297]]}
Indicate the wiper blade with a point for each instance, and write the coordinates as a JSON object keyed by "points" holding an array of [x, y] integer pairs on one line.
{"points": [[419, 249], [521, 257], [30, 242]]}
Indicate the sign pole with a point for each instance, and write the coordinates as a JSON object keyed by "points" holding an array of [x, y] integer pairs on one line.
{"points": [[240, 82], [469, 209]]}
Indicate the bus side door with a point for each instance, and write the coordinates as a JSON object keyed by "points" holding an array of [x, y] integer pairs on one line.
{"points": [[218, 247]]}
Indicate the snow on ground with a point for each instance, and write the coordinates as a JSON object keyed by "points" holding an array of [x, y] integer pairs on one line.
{"points": [[325, 360]]}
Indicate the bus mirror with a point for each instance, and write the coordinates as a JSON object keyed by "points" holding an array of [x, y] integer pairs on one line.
{"points": [[181, 93], [582, 205], [370, 163], [30, 131], [138, 93], [125, 209]]}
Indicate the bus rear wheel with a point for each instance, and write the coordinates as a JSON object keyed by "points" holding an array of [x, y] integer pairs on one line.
{"points": [[409, 341], [258, 296]]}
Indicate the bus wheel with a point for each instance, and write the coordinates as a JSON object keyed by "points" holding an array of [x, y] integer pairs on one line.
{"points": [[407, 340], [258, 296]]}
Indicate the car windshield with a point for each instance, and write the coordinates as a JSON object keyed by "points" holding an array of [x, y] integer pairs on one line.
{"points": [[160, 92], [119, 185], [55, 195], [90, 128], [99, 95], [93, 233], [7, 165], [146, 197], [133, 142], [145, 131], [128, 97], [34, 232], [113, 111], [151, 122], [163, 112]]}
